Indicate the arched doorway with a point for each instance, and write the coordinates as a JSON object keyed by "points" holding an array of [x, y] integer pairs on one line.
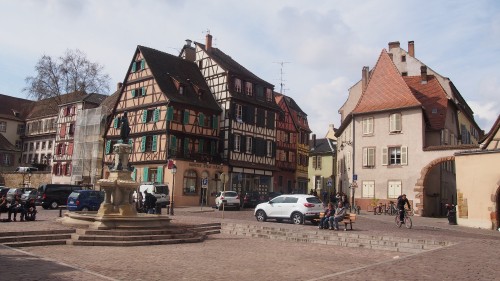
{"points": [[436, 187]]}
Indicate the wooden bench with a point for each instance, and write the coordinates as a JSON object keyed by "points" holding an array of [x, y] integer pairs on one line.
{"points": [[348, 219]]}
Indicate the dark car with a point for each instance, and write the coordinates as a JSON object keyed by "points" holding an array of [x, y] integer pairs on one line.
{"points": [[85, 200], [3, 191], [53, 195], [272, 194], [251, 199]]}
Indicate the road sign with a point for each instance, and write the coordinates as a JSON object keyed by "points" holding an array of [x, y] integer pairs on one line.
{"points": [[354, 177], [204, 183], [329, 183], [354, 184]]}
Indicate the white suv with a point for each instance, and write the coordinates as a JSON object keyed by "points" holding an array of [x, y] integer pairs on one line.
{"points": [[229, 199], [295, 207]]}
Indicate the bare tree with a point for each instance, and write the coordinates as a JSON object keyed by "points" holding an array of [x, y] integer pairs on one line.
{"points": [[69, 73]]}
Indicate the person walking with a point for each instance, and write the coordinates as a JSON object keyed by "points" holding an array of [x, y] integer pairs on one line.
{"points": [[149, 202]]}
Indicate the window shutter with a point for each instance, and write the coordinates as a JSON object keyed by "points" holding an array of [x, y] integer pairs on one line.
{"points": [[143, 64], [201, 119], [144, 116], [170, 113], [156, 115], [116, 122], [143, 91], [159, 174], [108, 146], [384, 156], [133, 66], [274, 149], [155, 141], [398, 122], [213, 146], [186, 146], [134, 93], [243, 144], [186, 117], [145, 174], [365, 156], [371, 157], [271, 116], [70, 149], [131, 141], [215, 122], [404, 155], [63, 169], [200, 145], [63, 130], [143, 144], [173, 142], [134, 174]]}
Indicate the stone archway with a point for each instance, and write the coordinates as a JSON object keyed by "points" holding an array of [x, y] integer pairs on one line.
{"points": [[420, 195]]}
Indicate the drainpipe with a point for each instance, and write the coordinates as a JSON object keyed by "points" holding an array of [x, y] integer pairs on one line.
{"points": [[353, 156]]}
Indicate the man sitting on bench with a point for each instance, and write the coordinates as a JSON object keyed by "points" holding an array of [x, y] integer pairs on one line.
{"points": [[337, 217]]}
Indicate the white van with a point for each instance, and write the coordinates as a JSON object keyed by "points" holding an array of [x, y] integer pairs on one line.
{"points": [[159, 190]]}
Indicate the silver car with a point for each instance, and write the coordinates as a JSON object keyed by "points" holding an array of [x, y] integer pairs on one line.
{"points": [[294, 207], [228, 199]]}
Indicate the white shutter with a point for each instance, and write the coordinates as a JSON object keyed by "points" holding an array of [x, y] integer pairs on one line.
{"points": [[384, 156], [404, 155], [371, 157], [365, 156], [446, 136]]}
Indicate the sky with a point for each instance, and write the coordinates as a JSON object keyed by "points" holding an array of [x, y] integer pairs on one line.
{"points": [[317, 49]]}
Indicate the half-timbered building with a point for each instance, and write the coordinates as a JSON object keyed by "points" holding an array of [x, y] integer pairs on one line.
{"points": [[248, 127], [172, 116]]}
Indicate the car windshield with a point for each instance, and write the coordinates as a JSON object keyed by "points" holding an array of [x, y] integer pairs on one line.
{"points": [[162, 189], [74, 195], [230, 194], [314, 200]]}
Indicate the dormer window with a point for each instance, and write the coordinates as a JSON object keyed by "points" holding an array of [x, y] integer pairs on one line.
{"points": [[138, 65], [181, 89], [237, 85], [403, 58], [249, 88], [269, 95]]}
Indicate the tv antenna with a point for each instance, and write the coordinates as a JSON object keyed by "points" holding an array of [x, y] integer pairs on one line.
{"points": [[282, 64]]}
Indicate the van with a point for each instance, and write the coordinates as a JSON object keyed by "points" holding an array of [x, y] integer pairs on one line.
{"points": [[26, 169], [159, 190], [54, 195], [85, 200]]}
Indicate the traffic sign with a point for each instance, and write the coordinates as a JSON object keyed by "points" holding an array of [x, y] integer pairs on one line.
{"points": [[204, 183], [329, 183]]}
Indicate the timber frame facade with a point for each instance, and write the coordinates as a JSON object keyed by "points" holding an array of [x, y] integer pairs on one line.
{"points": [[247, 129], [174, 119]]}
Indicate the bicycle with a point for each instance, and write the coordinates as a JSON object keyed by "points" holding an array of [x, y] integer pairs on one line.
{"points": [[407, 220], [391, 209]]}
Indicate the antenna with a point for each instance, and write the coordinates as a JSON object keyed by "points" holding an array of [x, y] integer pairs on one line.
{"points": [[282, 63]]}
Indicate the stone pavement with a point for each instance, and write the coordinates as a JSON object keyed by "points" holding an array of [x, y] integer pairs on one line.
{"points": [[475, 256]]}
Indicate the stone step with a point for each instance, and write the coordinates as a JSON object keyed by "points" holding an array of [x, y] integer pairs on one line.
{"points": [[122, 232], [36, 232], [27, 238], [35, 243], [345, 239], [130, 237], [135, 243]]}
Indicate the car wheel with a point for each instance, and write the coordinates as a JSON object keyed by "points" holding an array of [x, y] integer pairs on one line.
{"points": [[54, 205], [297, 218], [261, 216], [85, 209]]}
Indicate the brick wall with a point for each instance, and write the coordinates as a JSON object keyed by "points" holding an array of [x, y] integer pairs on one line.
{"points": [[16, 179]]}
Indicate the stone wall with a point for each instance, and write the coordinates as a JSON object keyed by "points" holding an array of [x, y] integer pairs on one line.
{"points": [[12, 179]]}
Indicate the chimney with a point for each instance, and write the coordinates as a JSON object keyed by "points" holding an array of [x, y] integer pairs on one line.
{"points": [[208, 45], [314, 141], [189, 52], [391, 56], [393, 45], [411, 48], [119, 85], [423, 74], [364, 77]]}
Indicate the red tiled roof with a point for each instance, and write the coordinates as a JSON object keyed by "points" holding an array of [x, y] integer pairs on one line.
{"points": [[433, 98], [386, 89]]}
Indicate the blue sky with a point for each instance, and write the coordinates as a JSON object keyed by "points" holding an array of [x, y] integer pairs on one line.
{"points": [[325, 43]]}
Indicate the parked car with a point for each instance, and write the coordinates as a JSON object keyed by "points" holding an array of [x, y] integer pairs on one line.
{"points": [[272, 194], [230, 199], [251, 199], [29, 194], [4, 191], [13, 192], [85, 200], [53, 195], [160, 191], [295, 207]]}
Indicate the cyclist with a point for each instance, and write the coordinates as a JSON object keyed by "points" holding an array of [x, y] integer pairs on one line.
{"points": [[402, 200]]}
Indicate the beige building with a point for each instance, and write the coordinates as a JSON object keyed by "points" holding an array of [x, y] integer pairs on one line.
{"points": [[322, 166], [478, 183]]}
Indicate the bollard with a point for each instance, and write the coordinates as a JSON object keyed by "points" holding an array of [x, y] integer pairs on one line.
{"points": [[60, 211]]}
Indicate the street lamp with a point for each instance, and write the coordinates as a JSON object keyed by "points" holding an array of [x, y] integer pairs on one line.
{"points": [[174, 171]]}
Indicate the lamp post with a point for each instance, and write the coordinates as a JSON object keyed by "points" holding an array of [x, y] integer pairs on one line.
{"points": [[174, 171], [29, 179]]}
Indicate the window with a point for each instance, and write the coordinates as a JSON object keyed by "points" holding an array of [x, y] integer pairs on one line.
{"points": [[368, 126], [49, 145], [393, 189], [368, 190], [317, 162], [269, 148], [150, 115], [138, 65], [138, 92], [68, 169], [71, 129], [269, 94], [403, 58], [18, 144], [237, 85], [249, 88], [72, 110], [20, 129], [395, 155], [149, 143], [395, 123], [239, 112], [249, 144], [32, 146], [181, 90], [190, 180], [37, 145], [25, 147], [368, 156], [3, 126], [237, 139]]}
